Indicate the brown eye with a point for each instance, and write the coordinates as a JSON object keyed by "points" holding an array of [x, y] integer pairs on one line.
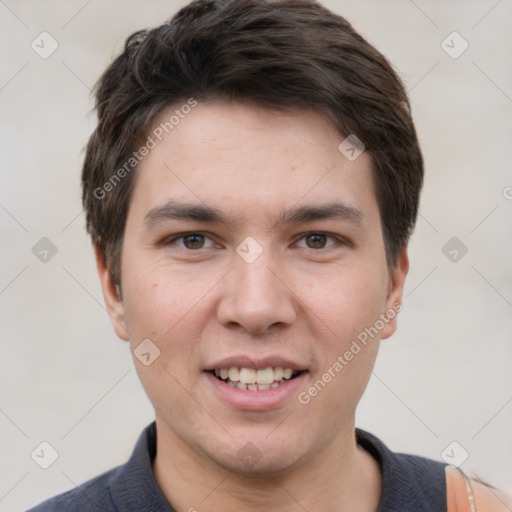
{"points": [[190, 241], [316, 241], [194, 241]]}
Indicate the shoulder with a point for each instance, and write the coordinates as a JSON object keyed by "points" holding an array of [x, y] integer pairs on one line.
{"points": [[91, 495], [409, 482], [396, 464], [130, 486]]}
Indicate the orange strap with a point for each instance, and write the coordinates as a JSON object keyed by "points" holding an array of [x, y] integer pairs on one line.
{"points": [[459, 493]]}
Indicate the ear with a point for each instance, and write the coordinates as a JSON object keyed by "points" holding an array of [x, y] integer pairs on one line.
{"points": [[113, 301], [395, 292]]}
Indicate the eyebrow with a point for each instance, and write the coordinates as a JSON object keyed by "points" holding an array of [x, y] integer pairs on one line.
{"points": [[174, 210]]}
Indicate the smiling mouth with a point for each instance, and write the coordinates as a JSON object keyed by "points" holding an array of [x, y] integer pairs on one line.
{"points": [[249, 379]]}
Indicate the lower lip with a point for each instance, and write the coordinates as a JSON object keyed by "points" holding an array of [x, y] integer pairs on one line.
{"points": [[256, 400]]}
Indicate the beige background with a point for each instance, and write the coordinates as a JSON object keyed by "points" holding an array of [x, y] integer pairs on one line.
{"points": [[445, 376]]}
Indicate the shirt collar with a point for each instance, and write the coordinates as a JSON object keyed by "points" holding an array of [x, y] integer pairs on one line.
{"points": [[134, 486]]}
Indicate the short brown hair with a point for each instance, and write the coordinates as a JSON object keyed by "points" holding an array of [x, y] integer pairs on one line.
{"points": [[284, 54]]}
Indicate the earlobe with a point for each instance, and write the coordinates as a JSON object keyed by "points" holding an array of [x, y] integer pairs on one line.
{"points": [[395, 292], [112, 296]]}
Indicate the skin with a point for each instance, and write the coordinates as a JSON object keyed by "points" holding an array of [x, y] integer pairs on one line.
{"points": [[305, 299]]}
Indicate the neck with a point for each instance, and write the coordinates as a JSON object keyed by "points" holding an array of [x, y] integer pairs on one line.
{"points": [[343, 476]]}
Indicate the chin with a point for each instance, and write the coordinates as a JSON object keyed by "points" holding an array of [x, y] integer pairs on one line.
{"points": [[263, 467], [257, 456]]}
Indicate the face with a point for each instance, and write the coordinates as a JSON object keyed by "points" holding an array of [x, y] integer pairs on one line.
{"points": [[253, 261]]}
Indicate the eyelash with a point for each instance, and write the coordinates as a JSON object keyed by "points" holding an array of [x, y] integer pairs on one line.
{"points": [[181, 236]]}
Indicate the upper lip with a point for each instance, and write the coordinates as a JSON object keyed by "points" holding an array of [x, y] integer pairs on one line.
{"points": [[255, 363]]}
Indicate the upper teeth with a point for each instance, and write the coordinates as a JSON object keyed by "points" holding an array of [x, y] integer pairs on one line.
{"points": [[251, 376]]}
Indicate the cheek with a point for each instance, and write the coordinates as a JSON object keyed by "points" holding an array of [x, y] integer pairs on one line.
{"points": [[156, 298], [348, 302], [331, 397], [171, 309], [349, 307], [167, 312]]}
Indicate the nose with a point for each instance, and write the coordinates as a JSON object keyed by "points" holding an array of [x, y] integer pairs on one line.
{"points": [[257, 296]]}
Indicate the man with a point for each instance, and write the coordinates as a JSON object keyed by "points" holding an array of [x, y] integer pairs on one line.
{"points": [[250, 190]]}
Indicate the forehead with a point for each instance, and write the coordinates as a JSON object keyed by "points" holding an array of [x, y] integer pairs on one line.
{"points": [[249, 161]]}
